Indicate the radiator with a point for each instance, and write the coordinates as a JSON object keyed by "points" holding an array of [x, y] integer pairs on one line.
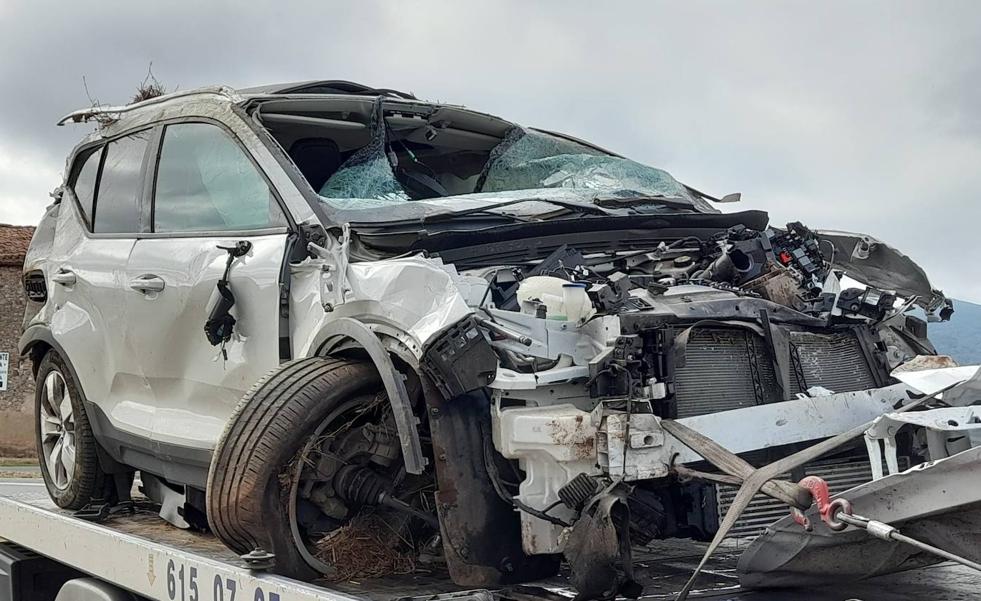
{"points": [[834, 361], [731, 368]]}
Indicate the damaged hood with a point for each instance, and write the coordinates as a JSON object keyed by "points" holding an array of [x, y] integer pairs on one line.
{"points": [[877, 264], [536, 203]]}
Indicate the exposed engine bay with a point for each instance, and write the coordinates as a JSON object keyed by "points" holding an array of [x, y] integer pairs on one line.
{"points": [[584, 353]]}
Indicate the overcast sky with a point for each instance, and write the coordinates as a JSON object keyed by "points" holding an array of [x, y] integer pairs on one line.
{"points": [[857, 116]]}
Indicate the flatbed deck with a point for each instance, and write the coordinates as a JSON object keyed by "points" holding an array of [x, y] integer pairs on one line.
{"points": [[149, 557]]}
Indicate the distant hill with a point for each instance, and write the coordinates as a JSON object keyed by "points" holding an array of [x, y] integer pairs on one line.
{"points": [[961, 336]]}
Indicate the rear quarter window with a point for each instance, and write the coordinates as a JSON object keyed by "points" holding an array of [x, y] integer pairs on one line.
{"points": [[86, 175], [117, 203]]}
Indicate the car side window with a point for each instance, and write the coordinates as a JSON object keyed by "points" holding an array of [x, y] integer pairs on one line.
{"points": [[206, 182], [117, 202], [84, 184]]}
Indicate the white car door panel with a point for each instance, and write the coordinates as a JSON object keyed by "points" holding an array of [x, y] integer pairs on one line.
{"points": [[207, 193], [191, 385]]}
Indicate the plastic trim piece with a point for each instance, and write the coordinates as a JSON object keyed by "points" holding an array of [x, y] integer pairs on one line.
{"points": [[177, 463], [347, 328]]}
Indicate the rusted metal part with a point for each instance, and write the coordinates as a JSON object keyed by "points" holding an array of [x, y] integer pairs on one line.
{"points": [[778, 286], [577, 434], [481, 532]]}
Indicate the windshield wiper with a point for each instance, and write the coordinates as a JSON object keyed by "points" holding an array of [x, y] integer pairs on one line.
{"points": [[448, 215], [674, 202]]}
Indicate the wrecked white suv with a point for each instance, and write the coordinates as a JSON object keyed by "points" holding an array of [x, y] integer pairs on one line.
{"points": [[295, 307]]}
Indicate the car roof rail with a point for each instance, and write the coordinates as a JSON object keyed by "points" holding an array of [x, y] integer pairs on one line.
{"points": [[93, 112]]}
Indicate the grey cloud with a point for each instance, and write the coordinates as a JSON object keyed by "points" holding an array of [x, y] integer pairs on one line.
{"points": [[843, 115]]}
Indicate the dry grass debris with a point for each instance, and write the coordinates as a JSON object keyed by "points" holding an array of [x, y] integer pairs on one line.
{"points": [[150, 87], [366, 547]]}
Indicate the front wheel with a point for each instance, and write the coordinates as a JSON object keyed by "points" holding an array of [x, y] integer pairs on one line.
{"points": [[66, 446], [310, 448]]}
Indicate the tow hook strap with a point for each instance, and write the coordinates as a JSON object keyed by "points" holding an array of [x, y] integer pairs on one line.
{"points": [[220, 324], [838, 515]]}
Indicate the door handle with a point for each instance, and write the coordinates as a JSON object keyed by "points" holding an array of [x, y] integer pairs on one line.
{"points": [[147, 283], [65, 277]]}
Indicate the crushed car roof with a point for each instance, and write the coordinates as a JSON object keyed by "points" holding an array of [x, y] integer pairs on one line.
{"points": [[313, 87], [329, 86]]}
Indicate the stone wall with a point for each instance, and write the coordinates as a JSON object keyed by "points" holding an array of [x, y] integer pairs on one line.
{"points": [[17, 402]]}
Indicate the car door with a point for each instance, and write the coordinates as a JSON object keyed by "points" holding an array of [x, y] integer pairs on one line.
{"points": [[207, 193], [98, 223]]}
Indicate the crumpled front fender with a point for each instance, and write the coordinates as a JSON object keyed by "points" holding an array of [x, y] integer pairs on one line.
{"points": [[410, 300]]}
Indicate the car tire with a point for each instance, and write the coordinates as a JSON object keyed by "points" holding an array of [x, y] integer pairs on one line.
{"points": [[66, 446], [246, 504]]}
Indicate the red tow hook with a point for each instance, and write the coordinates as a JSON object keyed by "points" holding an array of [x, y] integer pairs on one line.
{"points": [[828, 509]]}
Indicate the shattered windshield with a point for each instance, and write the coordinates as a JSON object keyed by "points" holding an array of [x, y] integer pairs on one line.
{"points": [[527, 160], [395, 167]]}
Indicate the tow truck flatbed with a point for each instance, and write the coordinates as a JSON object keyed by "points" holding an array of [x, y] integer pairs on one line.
{"points": [[144, 555]]}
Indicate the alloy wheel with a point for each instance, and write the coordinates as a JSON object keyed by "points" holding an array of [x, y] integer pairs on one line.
{"points": [[57, 430]]}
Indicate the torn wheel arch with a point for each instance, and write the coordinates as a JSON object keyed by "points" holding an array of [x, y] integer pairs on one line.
{"points": [[345, 329]]}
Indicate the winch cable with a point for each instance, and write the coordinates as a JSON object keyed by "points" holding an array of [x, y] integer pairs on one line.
{"points": [[888, 532], [754, 482], [837, 514]]}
